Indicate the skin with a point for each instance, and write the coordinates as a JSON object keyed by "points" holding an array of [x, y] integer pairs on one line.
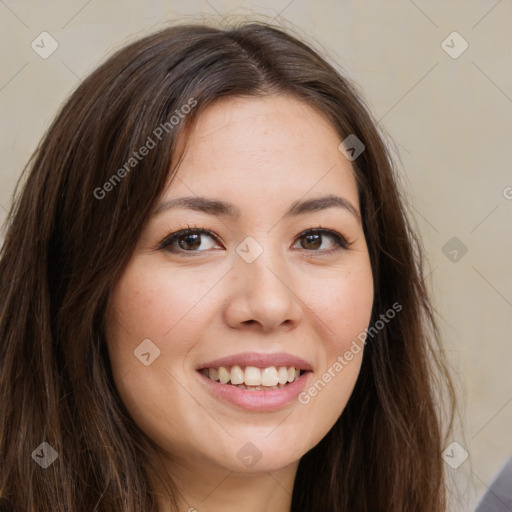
{"points": [[261, 155]]}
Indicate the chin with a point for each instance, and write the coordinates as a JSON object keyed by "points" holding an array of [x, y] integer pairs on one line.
{"points": [[250, 452]]}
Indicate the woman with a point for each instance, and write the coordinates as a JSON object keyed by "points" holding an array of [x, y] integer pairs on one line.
{"points": [[291, 363]]}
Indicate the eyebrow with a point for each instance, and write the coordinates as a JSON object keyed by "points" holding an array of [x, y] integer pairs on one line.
{"points": [[223, 209]]}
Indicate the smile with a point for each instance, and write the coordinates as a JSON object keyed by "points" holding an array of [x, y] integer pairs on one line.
{"points": [[255, 381], [252, 377]]}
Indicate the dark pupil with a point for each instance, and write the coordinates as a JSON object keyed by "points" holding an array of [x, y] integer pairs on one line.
{"points": [[310, 237], [194, 236]]}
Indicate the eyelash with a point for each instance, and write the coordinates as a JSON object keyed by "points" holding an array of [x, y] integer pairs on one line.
{"points": [[340, 241]]}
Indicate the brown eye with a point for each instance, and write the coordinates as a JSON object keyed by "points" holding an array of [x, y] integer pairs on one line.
{"points": [[192, 240], [188, 240], [314, 239]]}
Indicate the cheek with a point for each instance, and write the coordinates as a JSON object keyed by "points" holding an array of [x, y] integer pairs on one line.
{"points": [[343, 306], [149, 303], [170, 309], [344, 311], [152, 305]]}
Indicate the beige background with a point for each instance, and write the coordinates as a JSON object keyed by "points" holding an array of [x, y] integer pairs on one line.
{"points": [[449, 117]]}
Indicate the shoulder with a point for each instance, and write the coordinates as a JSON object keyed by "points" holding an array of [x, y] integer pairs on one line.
{"points": [[498, 497]]}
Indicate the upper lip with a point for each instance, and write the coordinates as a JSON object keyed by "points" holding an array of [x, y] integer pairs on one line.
{"points": [[259, 360]]}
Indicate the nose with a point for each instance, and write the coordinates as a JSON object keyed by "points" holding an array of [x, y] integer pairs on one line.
{"points": [[262, 295]]}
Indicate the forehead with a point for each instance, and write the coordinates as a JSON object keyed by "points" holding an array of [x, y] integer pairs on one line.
{"points": [[265, 147]]}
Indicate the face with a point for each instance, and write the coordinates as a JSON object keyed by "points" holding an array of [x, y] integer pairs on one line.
{"points": [[261, 291]]}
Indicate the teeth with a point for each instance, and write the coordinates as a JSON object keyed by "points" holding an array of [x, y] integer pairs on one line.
{"points": [[252, 376], [259, 388], [269, 376], [256, 378], [223, 375], [282, 375], [237, 375]]}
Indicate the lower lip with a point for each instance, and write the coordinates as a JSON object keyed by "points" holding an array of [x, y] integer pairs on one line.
{"points": [[270, 400]]}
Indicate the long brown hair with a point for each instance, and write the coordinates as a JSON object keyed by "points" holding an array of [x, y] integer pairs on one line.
{"points": [[69, 237]]}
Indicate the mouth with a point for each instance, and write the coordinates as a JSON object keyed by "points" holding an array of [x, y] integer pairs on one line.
{"points": [[255, 382]]}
